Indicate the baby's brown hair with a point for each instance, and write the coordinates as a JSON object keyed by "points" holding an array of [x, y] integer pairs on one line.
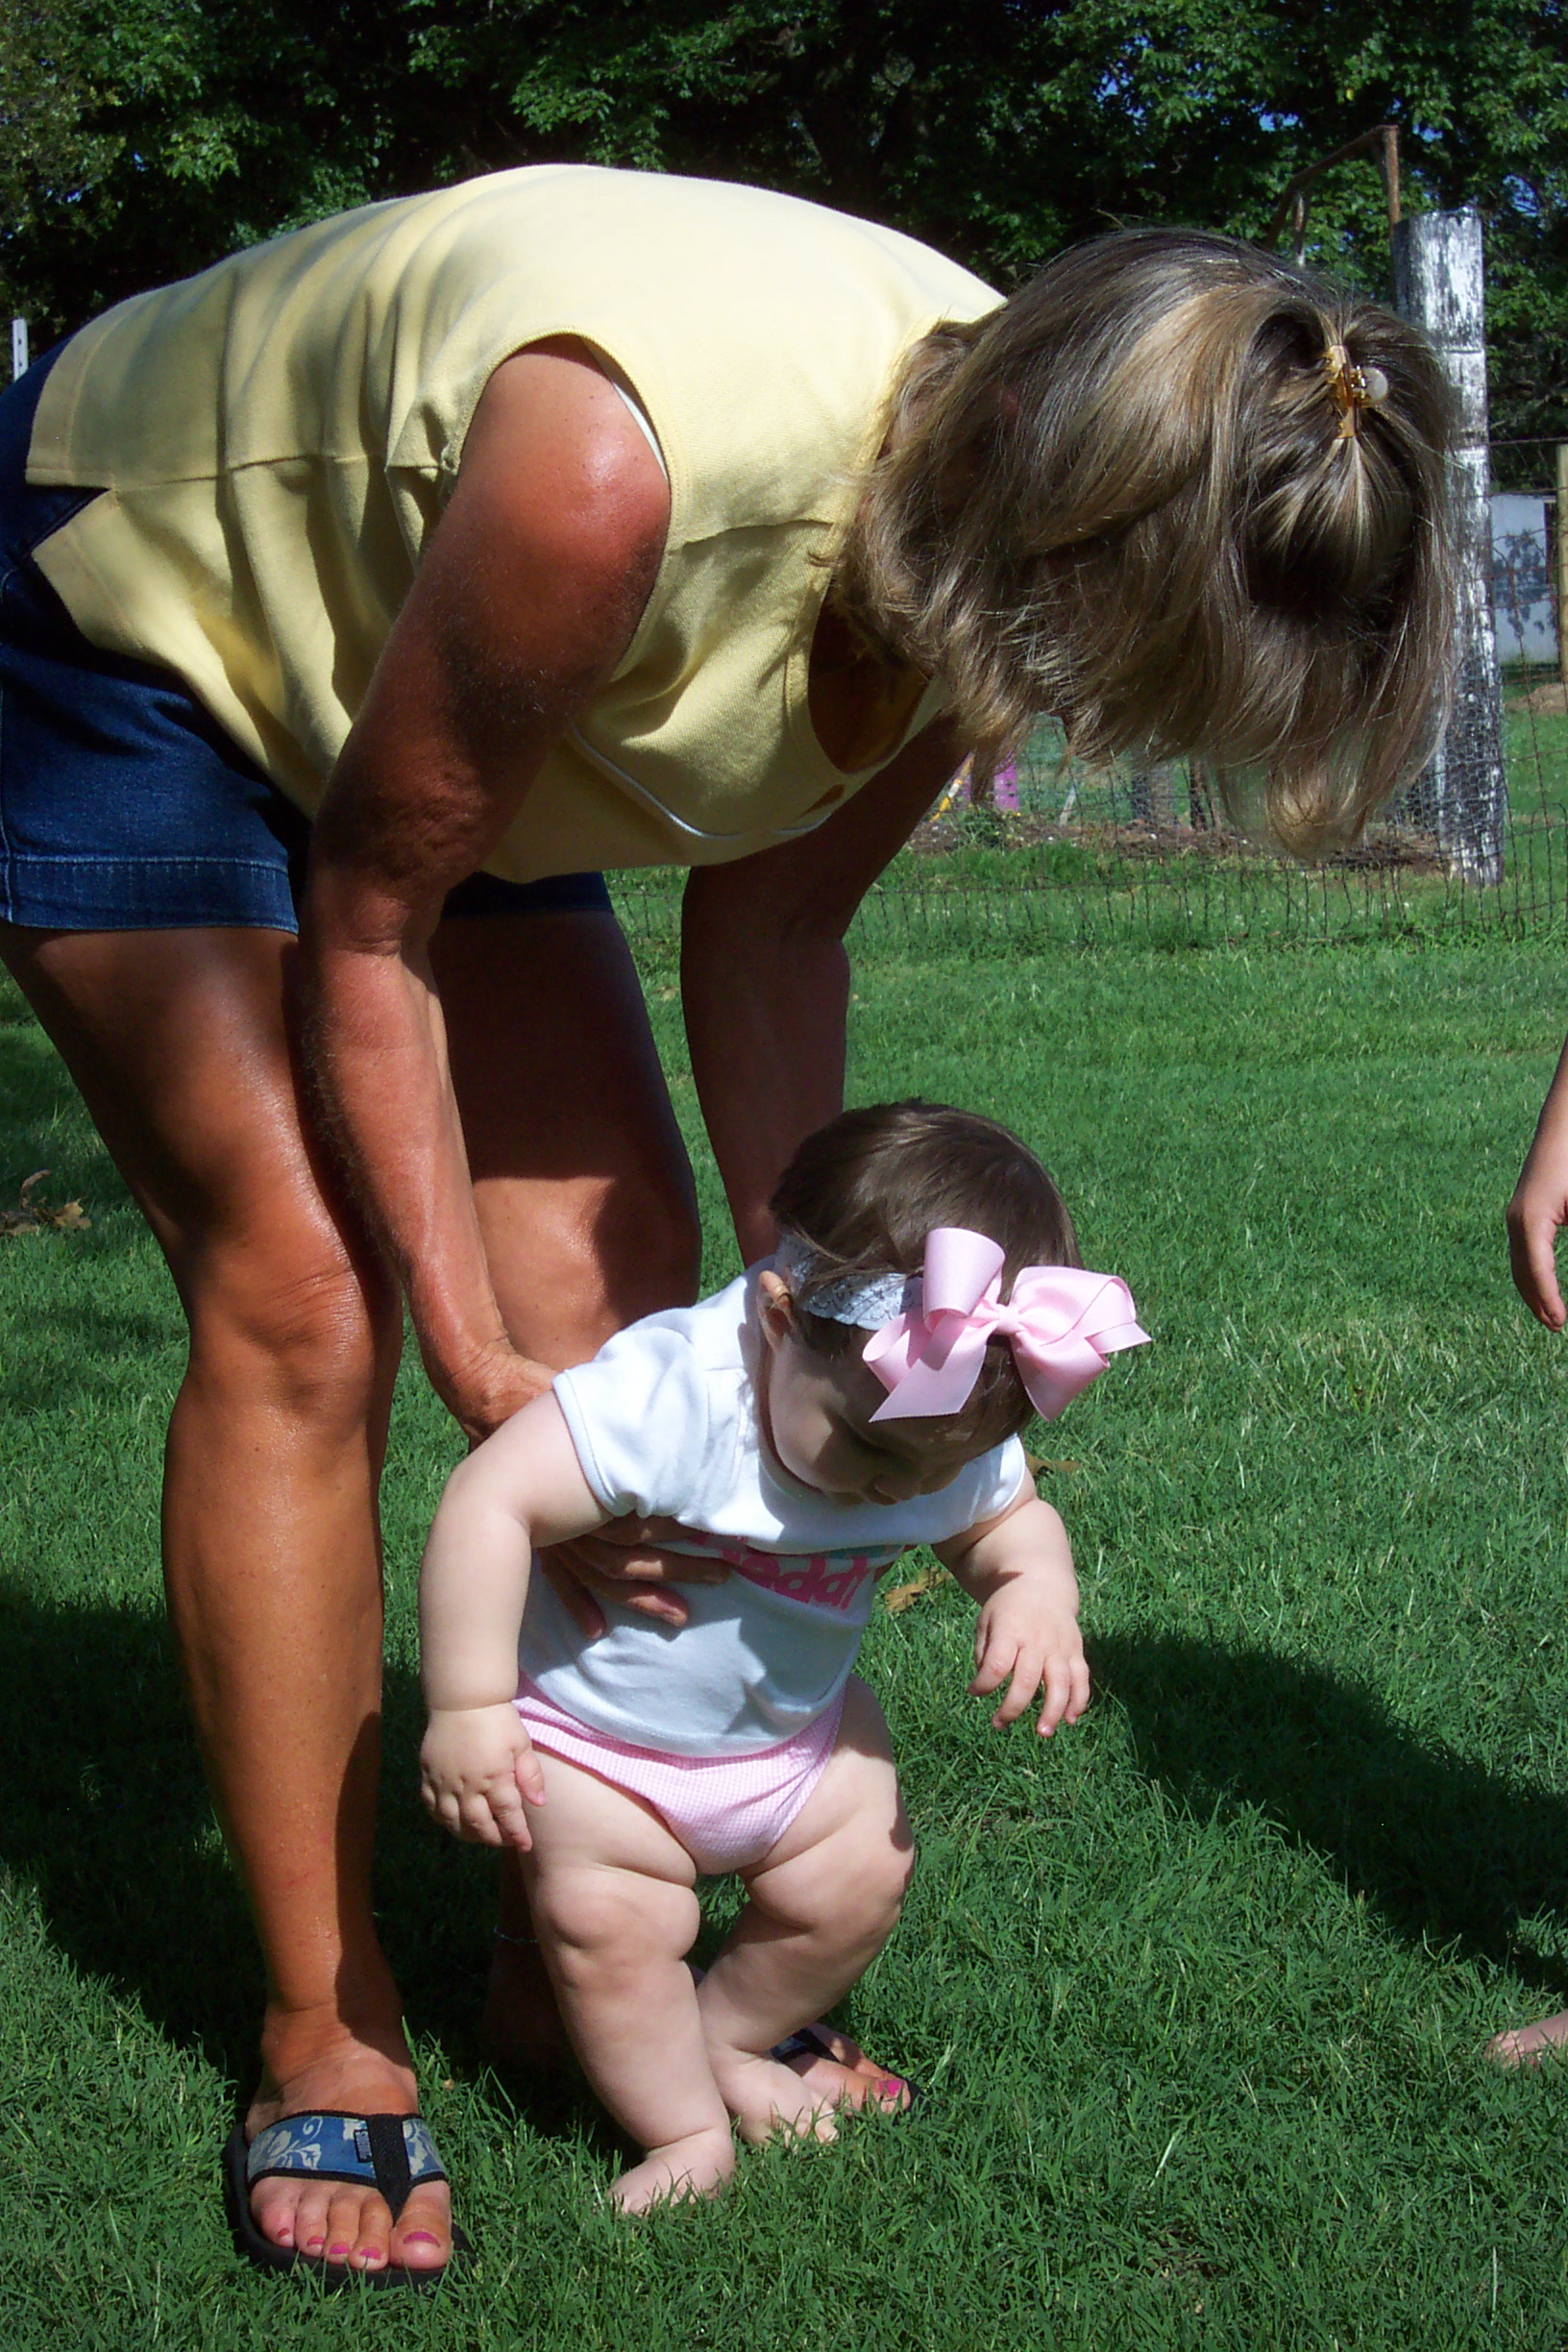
{"points": [[864, 1192]]}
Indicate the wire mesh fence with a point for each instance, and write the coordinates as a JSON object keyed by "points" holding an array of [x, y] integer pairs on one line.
{"points": [[1065, 856], [1058, 854]]}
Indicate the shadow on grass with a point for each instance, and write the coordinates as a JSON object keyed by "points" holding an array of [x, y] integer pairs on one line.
{"points": [[1450, 1854], [106, 1815]]}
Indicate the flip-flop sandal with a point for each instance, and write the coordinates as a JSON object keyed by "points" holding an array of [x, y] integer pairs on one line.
{"points": [[392, 2154]]}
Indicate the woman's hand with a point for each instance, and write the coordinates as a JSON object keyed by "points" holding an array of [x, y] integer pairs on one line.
{"points": [[495, 1383], [625, 1562], [477, 1771]]}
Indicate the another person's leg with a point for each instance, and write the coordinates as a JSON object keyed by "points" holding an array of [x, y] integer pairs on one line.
{"points": [[819, 1908], [183, 1043], [612, 1895]]}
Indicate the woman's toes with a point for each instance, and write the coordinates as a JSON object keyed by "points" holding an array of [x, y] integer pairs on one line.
{"points": [[354, 2220], [274, 2206], [847, 2086], [423, 2237], [369, 2251]]}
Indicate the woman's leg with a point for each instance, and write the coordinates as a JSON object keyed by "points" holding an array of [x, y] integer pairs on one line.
{"points": [[819, 1908], [181, 1042], [611, 1889]]}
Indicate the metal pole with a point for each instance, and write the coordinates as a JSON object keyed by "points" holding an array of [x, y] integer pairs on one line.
{"points": [[1463, 796], [18, 348]]}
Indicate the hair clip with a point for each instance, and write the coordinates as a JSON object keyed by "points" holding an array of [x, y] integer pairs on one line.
{"points": [[1352, 388]]}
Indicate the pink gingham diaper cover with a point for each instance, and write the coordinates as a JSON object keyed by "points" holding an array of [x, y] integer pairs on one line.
{"points": [[728, 1812]]}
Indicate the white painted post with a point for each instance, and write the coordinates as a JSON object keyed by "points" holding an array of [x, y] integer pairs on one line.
{"points": [[1463, 798], [18, 348], [1560, 533]]}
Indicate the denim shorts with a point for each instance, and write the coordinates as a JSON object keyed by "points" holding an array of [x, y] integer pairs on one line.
{"points": [[123, 805]]}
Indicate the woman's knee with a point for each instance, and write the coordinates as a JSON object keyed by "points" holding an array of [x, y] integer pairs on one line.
{"points": [[308, 1330], [646, 1242]]}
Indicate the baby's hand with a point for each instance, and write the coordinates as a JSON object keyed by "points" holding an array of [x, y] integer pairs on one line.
{"points": [[475, 1769], [1027, 1639]]}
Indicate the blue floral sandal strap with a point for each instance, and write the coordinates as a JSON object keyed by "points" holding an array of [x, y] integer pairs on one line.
{"points": [[392, 2154]]}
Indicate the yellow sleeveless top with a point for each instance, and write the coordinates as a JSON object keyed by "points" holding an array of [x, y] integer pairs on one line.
{"points": [[275, 437]]}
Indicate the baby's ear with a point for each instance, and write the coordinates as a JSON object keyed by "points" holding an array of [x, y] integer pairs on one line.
{"points": [[776, 1308]]}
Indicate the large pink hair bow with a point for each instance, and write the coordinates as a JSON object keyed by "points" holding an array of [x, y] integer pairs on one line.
{"points": [[1062, 1321]]}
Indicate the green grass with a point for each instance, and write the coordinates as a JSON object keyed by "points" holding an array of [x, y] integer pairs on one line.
{"points": [[1536, 747], [1198, 1990], [1103, 882]]}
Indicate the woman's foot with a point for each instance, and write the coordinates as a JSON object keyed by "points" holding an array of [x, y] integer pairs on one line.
{"points": [[842, 2075], [305, 2068], [1528, 2045]]}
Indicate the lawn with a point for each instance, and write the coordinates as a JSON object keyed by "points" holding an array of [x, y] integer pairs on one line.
{"points": [[1198, 1990]]}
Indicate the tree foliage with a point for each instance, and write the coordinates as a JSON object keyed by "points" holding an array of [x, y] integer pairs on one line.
{"points": [[142, 138]]}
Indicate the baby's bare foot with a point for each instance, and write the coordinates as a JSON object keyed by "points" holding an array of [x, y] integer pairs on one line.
{"points": [[765, 2099], [1528, 2045], [699, 2166]]}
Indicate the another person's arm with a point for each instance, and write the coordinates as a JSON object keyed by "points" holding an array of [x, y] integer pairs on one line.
{"points": [[521, 1488], [764, 978], [1019, 1567], [526, 596], [1539, 1208]]}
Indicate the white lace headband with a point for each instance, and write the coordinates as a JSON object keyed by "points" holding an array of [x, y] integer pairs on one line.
{"points": [[863, 1301]]}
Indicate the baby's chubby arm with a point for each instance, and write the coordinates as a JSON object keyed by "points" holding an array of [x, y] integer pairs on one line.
{"points": [[524, 1487], [1019, 1566]]}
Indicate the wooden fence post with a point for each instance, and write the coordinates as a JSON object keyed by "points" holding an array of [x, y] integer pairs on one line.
{"points": [[1559, 535], [18, 348], [1462, 798]]}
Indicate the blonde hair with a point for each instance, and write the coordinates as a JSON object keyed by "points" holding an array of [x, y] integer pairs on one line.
{"points": [[1124, 499]]}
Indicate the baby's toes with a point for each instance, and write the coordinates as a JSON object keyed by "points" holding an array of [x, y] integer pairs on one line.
{"points": [[422, 2240]]}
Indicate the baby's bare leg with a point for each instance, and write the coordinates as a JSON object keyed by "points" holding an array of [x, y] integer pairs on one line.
{"points": [[822, 1906], [611, 1895]]}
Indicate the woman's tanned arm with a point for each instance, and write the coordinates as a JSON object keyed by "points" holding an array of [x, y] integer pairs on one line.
{"points": [[764, 978], [526, 596]]}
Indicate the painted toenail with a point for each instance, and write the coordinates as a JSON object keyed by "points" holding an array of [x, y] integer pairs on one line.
{"points": [[337, 2253]]}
